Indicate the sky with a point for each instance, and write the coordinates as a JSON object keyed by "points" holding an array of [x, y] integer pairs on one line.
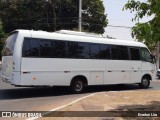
{"points": [[117, 17]]}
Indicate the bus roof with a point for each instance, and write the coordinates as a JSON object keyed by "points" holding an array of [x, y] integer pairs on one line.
{"points": [[78, 36]]}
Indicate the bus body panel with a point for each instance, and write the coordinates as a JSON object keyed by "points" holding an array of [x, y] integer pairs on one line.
{"points": [[49, 78], [18, 51], [148, 68], [8, 73], [16, 78], [61, 71], [117, 72], [97, 77], [52, 71], [136, 71], [7, 68]]}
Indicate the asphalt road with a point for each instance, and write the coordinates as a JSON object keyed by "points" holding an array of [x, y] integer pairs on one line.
{"points": [[44, 99]]}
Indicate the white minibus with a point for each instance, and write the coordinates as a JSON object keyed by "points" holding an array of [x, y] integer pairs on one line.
{"points": [[75, 59]]}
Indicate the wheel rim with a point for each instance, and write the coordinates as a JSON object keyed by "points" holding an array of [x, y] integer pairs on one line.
{"points": [[78, 86], [145, 82]]}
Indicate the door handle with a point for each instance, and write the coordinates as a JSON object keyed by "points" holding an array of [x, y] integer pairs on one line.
{"points": [[123, 71], [109, 71]]}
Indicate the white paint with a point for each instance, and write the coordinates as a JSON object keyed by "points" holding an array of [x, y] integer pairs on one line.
{"points": [[52, 71], [58, 108]]}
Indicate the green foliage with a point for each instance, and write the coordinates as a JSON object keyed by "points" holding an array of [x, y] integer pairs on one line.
{"points": [[2, 35], [149, 32], [1, 31], [93, 16], [21, 14], [52, 15]]}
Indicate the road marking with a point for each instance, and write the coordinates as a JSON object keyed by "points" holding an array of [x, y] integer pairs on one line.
{"points": [[58, 108]]}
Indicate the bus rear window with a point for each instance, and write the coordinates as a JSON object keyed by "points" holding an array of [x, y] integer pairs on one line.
{"points": [[9, 44]]}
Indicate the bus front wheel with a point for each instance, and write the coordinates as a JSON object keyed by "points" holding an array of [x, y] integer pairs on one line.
{"points": [[145, 82], [77, 85]]}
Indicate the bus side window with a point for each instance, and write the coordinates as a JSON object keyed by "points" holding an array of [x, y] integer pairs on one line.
{"points": [[73, 51], [30, 48], [45, 48], [135, 54], [123, 51], [119, 52], [59, 49], [145, 55], [115, 52], [26, 48], [94, 51], [105, 52], [34, 48], [83, 49]]}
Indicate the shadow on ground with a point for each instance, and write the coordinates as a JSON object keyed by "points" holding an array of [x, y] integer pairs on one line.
{"points": [[151, 109], [20, 93], [127, 112]]}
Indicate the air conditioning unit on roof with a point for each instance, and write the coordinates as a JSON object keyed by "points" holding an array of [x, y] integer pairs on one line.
{"points": [[69, 32]]}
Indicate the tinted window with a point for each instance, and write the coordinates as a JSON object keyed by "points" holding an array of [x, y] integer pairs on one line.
{"points": [[73, 50], [34, 48], [59, 49], [123, 53], [63, 49], [9, 45], [83, 49], [146, 55], [135, 55], [45, 48], [26, 47], [94, 51], [105, 52], [30, 47], [115, 52]]}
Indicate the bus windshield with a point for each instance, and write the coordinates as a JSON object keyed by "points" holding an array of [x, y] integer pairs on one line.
{"points": [[9, 44]]}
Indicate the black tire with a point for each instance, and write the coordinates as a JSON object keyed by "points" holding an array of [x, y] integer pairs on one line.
{"points": [[77, 85], [145, 83]]}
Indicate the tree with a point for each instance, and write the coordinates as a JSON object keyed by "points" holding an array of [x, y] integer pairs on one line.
{"points": [[94, 18], [2, 35], [148, 32], [21, 14], [51, 15], [1, 31]]}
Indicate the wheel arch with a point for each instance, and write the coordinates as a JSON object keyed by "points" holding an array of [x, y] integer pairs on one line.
{"points": [[148, 76], [85, 80]]}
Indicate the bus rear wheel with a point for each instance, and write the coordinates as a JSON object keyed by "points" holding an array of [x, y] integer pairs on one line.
{"points": [[145, 82], [77, 85]]}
